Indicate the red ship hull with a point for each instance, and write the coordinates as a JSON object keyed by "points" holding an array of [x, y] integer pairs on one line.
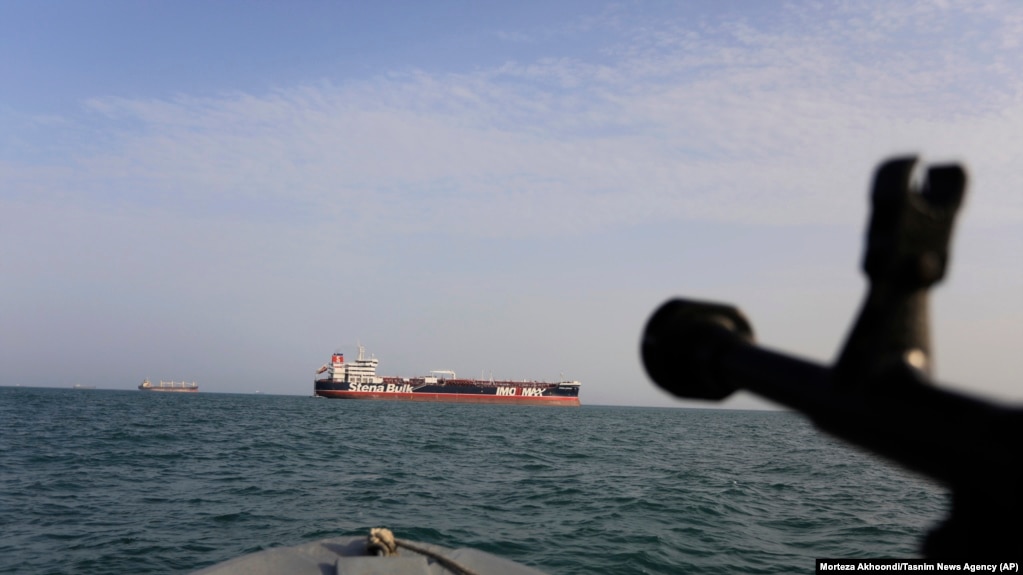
{"points": [[452, 398]]}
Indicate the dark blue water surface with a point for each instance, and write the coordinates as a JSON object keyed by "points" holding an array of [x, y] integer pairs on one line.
{"points": [[98, 482]]}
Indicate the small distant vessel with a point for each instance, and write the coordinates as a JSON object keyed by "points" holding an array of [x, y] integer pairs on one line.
{"points": [[80, 386], [178, 386], [358, 380]]}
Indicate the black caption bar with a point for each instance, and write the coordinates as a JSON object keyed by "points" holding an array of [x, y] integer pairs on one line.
{"points": [[836, 566]]}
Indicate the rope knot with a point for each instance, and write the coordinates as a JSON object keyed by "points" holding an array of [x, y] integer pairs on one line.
{"points": [[381, 542]]}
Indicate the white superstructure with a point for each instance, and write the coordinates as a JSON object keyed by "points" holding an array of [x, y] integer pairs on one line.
{"points": [[363, 370]]}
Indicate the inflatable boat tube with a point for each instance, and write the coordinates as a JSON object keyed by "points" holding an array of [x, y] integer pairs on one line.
{"points": [[353, 556]]}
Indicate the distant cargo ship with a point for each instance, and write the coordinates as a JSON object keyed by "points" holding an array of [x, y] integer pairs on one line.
{"points": [[178, 386], [359, 380]]}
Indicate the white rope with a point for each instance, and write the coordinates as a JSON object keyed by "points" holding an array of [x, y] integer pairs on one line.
{"points": [[382, 542]]}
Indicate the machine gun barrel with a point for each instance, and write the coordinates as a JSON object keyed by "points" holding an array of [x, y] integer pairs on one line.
{"points": [[690, 351], [878, 394]]}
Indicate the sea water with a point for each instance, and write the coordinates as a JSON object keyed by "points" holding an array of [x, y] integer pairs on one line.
{"points": [[98, 482]]}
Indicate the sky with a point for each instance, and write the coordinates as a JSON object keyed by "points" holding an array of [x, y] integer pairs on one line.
{"points": [[227, 192]]}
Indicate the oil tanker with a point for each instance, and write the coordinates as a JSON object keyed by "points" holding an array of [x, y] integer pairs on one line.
{"points": [[359, 380], [178, 386]]}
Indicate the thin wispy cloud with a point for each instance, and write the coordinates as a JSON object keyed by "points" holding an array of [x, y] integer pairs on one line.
{"points": [[680, 118]]}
